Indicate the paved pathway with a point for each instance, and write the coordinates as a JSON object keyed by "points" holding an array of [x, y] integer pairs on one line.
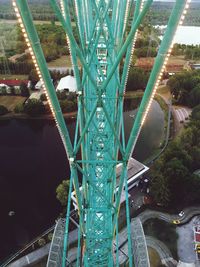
{"points": [[152, 214], [186, 251]]}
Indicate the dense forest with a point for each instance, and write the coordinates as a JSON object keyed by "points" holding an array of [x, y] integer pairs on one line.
{"points": [[175, 182], [185, 88]]}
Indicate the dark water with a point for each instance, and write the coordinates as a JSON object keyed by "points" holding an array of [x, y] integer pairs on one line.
{"points": [[32, 164]]}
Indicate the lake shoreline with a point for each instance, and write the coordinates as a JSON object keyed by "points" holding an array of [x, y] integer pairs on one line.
{"points": [[23, 116]]}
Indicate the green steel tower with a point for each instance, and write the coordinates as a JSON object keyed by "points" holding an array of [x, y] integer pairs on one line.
{"points": [[101, 35]]}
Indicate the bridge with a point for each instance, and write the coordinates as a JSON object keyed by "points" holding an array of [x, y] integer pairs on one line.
{"points": [[103, 40]]}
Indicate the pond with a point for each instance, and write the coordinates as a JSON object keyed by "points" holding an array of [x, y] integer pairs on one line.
{"points": [[33, 163]]}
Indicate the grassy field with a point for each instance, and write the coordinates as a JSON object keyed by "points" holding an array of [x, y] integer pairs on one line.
{"points": [[12, 22], [154, 258], [164, 90], [177, 60], [13, 77], [11, 101], [63, 61]]}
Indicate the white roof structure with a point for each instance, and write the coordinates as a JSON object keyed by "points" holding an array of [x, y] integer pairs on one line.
{"points": [[3, 85], [67, 83], [38, 85], [134, 171]]}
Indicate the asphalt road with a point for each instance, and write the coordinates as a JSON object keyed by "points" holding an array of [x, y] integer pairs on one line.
{"points": [[189, 213]]}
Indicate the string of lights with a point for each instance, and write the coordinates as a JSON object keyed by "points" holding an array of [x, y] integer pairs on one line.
{"points": [[163, 67], [34, 60]]}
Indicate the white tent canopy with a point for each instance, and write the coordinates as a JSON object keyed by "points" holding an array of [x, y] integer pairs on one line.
{"points": [[67, 83]]}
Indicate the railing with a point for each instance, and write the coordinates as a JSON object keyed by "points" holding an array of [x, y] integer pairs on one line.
{"points": [[19, 252]]}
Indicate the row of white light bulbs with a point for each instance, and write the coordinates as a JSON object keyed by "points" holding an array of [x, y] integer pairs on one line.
{"points": [[132, 49], [68, 42], [163, 67], [37, 68]]}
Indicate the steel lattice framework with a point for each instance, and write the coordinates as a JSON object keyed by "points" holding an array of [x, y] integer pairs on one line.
{"points": [[105, 33]]}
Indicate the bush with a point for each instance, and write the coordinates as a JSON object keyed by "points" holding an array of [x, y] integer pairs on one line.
{"points": [[24, 90], [3, 110], [68, 106], [62, 192], [19, 108], [43, 97], [50, 236], [34, 107], [62, 95], [41, 242]]}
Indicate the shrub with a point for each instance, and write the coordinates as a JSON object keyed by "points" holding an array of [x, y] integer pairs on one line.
{"points": [[43, 97], [68, 106], [41, 242], [34, 107], [3, 110], [19, 108]]}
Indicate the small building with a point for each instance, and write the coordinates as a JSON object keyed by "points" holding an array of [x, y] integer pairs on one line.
{"points": [[196, 230], [67, 83], [38, 85], [135, 171], [13, 83]]}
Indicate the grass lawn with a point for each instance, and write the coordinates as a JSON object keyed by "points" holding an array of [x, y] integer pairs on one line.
{"points": [[164, 90], [11, 101], [154, 258], [13, 77], [177, 60], [63, 61], [134, 94]]}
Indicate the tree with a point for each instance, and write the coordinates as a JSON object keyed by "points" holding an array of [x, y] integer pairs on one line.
{"points": [[43, 97], [19, 108], [33, 77], [160, 189], [62, 192], [196, 113], [137, 79], [34, 107], [194, 97], [24, 90], [3, 110]]}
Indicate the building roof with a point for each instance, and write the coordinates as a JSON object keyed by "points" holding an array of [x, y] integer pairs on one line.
{"points": [[13, 82], [135, 169], [67, 82], [197, 233]]}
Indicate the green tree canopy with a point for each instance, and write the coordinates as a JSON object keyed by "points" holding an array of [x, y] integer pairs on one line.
{"points": [[62, 192], [3, 110], [34, 107]]}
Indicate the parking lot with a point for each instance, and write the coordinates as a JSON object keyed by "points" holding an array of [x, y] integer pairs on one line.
{"points": [[182, 114]]}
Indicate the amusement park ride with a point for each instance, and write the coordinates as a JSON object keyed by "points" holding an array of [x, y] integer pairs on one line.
{"points": [[106, 32]]}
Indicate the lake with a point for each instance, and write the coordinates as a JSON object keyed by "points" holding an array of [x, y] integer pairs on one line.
{"points": [[33, 163], [189, 35]]}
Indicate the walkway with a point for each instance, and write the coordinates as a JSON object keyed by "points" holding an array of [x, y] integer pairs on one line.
{"points": [[152, 214]]}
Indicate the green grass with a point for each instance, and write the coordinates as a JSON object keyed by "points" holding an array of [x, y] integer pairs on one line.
{"points": [[154, 258], [63, 61], [13, 77], [163, 89], [11, 101]]}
